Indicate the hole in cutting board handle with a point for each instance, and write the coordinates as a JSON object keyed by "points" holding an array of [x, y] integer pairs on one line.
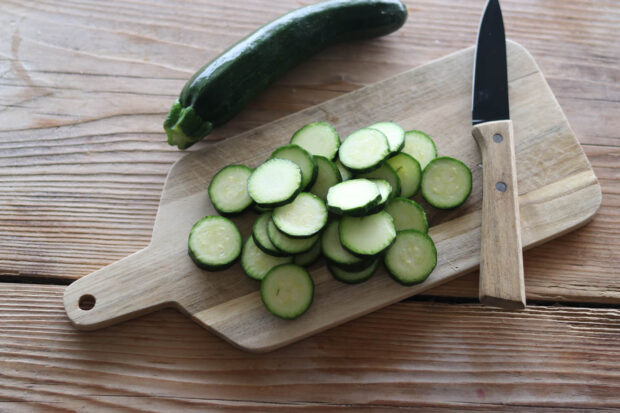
{"points": [[87, 302]]}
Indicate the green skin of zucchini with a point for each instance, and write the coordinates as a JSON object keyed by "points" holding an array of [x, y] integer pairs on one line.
{"points": [[224, 86]]}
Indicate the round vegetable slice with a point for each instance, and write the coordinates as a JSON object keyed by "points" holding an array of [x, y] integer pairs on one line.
{"points": [[309, 257], [328, 176], [332, 249], [275, 182], [407, 214], [419, 145], [228, 189], [385, 189], [318, 138], [287, 291], [409, 173], [256, 263], [354, 277], [364, 150], [261, 237], [394, 133], [288, 244], [446, 182], [412, 257], [303, 217], [354, 197], [368, 235], [302, 158], [385, 171], [214, 243], [344, 172]]}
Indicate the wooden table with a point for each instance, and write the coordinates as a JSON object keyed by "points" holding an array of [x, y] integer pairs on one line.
{"points": [[84, 88]]}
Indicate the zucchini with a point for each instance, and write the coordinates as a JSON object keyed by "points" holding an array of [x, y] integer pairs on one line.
{"points": [[385, 172], [224, 86], [328, 176], [446, 183], [287, 291], [420, 146], [228, 190], [407, 214], [302, 158], [261, 237], [256, 264], [364, 150], [394, 133], [276, 182], [309, 257], [318, 138], [353, 277], [303, 217], [288, 244], [214, 243], [355, 197], [332, 249], [344, 172], [368, 235], [412, 257], [409, 173], [385, 189]]}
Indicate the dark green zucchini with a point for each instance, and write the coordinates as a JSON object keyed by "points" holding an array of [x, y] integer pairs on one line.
{"points": [[223, 87]]}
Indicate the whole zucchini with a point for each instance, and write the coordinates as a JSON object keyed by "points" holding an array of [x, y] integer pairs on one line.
{"points": [[224, 86]]}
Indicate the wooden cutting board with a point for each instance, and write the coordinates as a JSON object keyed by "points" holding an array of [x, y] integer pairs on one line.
{"points": [[558, 192]]}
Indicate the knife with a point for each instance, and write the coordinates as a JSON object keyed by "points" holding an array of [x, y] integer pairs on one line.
{"points": [[501, 259]]}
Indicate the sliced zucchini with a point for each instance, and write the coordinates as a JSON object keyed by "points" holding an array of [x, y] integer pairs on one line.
{"points": [[344, 172], [287, 291], [228, 189], [385, 189], [275, 182], [214, 243], [302, 158], [328, 176], [420, 146], [288, 244], [318, 138], [353, 277], [303, 217], [446, 182], [407, 214], [261, 238], [332, 249], [256, 263], [368, 235], [308, 258], [364, 150], [354, 197], [385, 171], [260, 209], [409, 173], [394, 133], [412, 257]]}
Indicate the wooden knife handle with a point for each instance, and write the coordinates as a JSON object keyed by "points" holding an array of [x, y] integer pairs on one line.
{"points": [[501, 259]]}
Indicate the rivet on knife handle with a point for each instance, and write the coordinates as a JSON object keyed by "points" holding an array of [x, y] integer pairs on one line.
{"points": [[501, 260]]}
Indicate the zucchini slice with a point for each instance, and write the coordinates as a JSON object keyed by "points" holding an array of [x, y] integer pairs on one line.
{"points": [[354, 277], [409, 173], [288, 244], [385, 189], [309, 257], [261, 238], [256, 263], [394, 133], [412, 257], [318, 138], [228, 189], [419, 145], [364, 150], [344, 172], [386, 172], [275, 182], [332, 249], [328, 176], [214, 243], [354, 197], [446, 182], [303, 217], [302, 158], [407, 214], [287, 291], [368, 235]]}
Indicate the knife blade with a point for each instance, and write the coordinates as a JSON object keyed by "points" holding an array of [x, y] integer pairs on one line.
{"points": [[501, 259]]}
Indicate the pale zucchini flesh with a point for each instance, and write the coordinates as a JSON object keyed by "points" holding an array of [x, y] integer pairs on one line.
{"points": [[419, 145], [328, 175], [228, 190], [305, 216], [214, 243], [256, 264], [261, 237], [412, 257], [332, 249], [288, 244], [364, 150], [385, 189], [446, 183], [287, 291], [394, 133], [369, 235], [353, 197], [407, 214], [385, 171], [302, 158], [275, 182], [409, 173], [309, 257], [318, 138], [344, 172]]}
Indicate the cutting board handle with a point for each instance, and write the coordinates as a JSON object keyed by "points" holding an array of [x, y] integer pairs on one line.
{"points": [[117, 292]]}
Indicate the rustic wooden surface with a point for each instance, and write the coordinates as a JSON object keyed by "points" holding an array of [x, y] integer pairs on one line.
{"points": [[83, 89]]}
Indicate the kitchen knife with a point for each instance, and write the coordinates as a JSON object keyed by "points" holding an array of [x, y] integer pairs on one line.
{"points": [[501, 260]]}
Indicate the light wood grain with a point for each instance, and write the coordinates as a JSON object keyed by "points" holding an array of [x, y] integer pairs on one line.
{"points": [[501, 258], [410, 355], [556, 197]]}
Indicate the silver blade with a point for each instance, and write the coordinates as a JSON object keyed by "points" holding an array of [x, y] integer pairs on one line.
{"points": [[490, 88]]}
